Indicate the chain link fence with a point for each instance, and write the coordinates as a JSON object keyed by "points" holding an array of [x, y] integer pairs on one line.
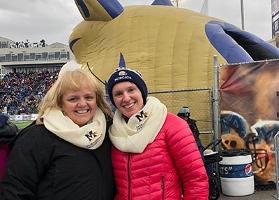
{"points": [[199, 100]]}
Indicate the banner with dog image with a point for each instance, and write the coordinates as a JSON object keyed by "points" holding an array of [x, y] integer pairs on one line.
{"points": [[250, 111]]}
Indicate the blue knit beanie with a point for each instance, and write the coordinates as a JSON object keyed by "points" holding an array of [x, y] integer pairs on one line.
{"points": [[184, 112], [123, 74]]}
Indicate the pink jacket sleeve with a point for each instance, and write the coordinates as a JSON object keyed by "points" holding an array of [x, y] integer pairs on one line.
{"points": [[187, 159]]}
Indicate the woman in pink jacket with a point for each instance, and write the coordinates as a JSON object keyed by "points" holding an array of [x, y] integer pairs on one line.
{"points": [[154, 156]]}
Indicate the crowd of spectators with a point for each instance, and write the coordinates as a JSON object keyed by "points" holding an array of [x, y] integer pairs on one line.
{"points": [[21, 92]]}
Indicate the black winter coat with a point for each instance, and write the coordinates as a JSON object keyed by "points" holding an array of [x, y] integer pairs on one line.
{"points": [[8, 130], [42, 166]]}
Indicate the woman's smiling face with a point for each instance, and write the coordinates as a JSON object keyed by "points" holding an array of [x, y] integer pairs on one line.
{"points": [[127, 98], [80, 106]]}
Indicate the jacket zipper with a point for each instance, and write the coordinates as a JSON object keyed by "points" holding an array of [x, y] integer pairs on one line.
{"points": [[163, 187], [129, 177]]}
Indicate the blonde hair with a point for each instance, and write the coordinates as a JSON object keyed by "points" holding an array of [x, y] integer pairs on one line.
{"points": [[72, 80]]}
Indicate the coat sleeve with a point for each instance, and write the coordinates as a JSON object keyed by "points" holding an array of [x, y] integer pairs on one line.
{"points": [[27, 163], [187, 159]]}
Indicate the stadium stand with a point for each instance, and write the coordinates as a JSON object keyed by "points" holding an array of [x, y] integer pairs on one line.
{"points": [[27, 70], [21, 92]]}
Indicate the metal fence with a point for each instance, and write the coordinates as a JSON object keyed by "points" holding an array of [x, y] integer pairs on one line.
{"points": [[199, 100]]}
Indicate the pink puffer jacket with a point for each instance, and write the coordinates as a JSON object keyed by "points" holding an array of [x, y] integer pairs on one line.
{"points": [[156, 174]]}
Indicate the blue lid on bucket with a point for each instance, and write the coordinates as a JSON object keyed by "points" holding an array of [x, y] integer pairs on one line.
{"points": [[235, 152]]}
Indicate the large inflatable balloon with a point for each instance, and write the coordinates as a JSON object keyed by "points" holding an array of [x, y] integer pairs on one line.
{"points": [[172, 47]]}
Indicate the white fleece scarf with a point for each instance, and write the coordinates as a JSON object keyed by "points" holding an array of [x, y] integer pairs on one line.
{"points": [[89, 136], [141, 129]]}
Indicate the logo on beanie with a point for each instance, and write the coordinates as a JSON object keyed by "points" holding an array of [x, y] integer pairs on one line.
{"points": [[122, 73]]}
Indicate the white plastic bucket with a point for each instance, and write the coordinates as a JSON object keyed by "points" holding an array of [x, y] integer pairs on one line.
{"points": [[236, 174]]}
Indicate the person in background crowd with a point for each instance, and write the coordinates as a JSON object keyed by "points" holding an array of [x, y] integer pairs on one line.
{"points": [[153, 152], [184, 113], [66, 154], [8, 132], [21, 92]]}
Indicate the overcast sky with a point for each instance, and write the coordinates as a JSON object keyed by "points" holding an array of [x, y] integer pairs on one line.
{"points": [[53, 20]]}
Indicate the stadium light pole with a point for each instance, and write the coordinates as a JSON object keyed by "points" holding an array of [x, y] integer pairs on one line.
{"points": [[176, 2], [242, 14], [204, 9]]}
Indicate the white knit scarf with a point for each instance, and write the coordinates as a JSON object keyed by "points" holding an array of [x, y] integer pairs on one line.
{"points": [[141, 129], [89, 136]]}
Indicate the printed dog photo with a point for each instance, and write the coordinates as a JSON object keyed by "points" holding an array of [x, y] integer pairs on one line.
{"points": [[252, 91], [233, 130], [261, 144]]}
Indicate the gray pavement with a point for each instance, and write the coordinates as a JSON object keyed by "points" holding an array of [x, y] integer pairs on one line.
{"points": [[258, 195]]}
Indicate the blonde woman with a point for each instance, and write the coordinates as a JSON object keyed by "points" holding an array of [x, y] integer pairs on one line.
{"points": [[66, 153]]}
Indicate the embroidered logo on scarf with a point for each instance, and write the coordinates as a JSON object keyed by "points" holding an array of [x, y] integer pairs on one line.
{"points": [[92, 144], [141, 117], [91, 135]]}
